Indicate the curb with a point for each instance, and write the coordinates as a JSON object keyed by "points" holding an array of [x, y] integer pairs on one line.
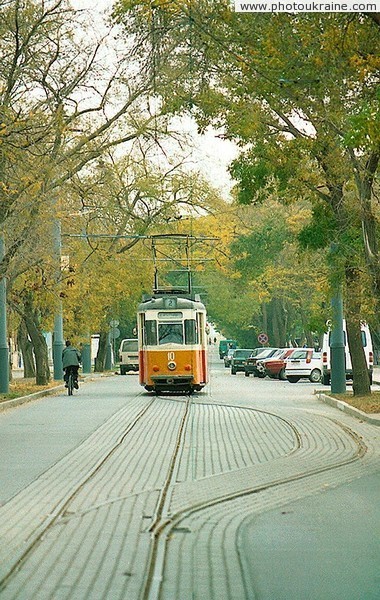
{"points": [[24, 399], [350, 410]]}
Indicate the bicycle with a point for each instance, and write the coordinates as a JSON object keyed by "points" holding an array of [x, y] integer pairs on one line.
{"points": [[70, 383]]}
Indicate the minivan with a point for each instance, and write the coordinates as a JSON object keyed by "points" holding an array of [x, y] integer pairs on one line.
{"points": [[326, 353], [225, 345], [129, 356]]}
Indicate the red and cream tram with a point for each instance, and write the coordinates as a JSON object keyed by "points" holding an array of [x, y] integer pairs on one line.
{"points": [[172, 343]]}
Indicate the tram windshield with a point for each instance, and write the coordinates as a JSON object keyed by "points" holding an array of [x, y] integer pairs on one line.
{"points": [[170, 333]]}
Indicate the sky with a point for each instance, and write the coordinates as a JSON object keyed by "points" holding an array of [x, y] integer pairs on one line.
{"points": [[211, 154]]}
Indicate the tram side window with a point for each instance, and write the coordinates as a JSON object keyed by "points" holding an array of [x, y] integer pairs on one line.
{"points": [[191, 333], [170, 333], [201, 326], [151, 333]]}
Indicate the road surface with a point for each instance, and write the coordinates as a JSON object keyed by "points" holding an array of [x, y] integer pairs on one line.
{"points": [[251, 489]]}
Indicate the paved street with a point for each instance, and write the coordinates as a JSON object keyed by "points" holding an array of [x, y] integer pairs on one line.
{"points": [[252, 489]]}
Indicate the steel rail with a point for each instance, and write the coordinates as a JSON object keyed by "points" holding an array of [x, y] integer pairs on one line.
{"points": [[61, 507], [162, 530], [164, 523]]}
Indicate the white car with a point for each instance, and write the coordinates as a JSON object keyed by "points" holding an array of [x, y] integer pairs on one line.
{"points": [[326, 353], [304, 363], [228, 357]]}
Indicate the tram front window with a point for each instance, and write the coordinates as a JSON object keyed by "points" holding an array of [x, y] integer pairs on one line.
{"points": [[170, 333], [150, 333], [191, 334]]}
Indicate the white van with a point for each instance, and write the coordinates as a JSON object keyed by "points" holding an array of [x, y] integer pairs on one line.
{"points": [[129, 356], [326, 354]]}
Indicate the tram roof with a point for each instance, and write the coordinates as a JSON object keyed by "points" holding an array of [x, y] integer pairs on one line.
{"points": [[160, 301]]}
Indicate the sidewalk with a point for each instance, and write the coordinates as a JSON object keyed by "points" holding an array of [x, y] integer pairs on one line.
{"points": [[18, 374], [373, 418]]}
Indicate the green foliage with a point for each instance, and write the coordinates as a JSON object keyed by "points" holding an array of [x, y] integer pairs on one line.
{"points": [[254, 251], [321, 230], [363, 126], [261, 171]]}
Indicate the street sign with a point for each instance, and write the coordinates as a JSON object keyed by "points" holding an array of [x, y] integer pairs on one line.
{"points": [[262, 338], [114, 323], [115, 333]]}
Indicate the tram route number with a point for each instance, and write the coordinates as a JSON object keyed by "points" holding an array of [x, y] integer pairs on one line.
{"points": [[262, 338], [171, 356]]}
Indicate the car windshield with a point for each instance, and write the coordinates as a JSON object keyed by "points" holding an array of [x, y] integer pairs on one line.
{"points": [[265, 353], [299, 354], [305, 353], [278, 352], [129, 346], [242, 353]]}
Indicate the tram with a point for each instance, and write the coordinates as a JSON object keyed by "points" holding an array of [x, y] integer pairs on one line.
{"points": [[172, 334]]}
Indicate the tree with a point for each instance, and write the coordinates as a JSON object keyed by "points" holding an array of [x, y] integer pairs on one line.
{"points": [[115, 211], [62, 106], [300, 89]]}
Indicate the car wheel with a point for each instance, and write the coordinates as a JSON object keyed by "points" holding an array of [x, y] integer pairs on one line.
{"points": [[260, 374], [293, 378], [233, 372], [326, 379], [282, 375], [246, 373], [315, 376], [122, 371]]}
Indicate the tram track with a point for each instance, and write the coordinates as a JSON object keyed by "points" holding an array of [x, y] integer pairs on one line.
{"points": [[166, 524], [163, 522], [60, 509]]}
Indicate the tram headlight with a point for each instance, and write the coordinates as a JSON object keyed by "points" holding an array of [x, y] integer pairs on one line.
{"points": [[172, 365]]}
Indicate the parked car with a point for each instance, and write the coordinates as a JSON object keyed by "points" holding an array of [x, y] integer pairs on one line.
{"points": [[326, 353], [228, 356], [304, 363], [274, 366], [129, 356], [238, 359], [250, 363], [224, 346]]}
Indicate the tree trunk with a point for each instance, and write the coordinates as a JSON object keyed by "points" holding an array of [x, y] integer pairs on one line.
{"points": [[360, 384], [39, 343], [26, 347], [100, 359], [276, 323], [369, 222]]}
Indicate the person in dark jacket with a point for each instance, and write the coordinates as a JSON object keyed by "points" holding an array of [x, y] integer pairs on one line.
{"points": [[71, 359]]}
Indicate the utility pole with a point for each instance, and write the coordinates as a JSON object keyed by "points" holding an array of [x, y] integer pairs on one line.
{"points": [[58, 342], [4, 350], [86, 356], [337, 346]]}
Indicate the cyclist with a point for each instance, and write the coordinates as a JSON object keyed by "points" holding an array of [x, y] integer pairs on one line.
{"points": [[71, 359]]}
